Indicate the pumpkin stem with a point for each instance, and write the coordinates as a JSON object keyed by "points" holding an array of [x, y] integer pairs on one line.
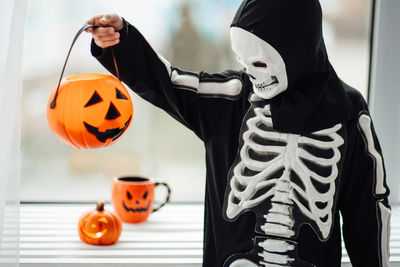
{"points": [[100, 206]]}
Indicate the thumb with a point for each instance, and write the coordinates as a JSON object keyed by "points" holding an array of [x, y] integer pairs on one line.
{"points": [[105, 20]]}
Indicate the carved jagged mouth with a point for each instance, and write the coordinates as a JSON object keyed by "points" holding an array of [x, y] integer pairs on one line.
{"points": [[94, 235], [136, 210], [263, 86], [110, 133]]}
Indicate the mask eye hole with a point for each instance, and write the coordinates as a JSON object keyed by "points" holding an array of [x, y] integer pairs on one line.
{"points": [[260, 64]]}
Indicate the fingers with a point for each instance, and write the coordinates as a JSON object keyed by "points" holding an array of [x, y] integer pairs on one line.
{"points": [[93, 21], [104, 31], [106, 20], [105, 37], [106, 34], [105, 44], [109, 20]]}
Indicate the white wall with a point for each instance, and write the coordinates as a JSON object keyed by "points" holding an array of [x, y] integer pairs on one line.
{"points": [[385, 88]]}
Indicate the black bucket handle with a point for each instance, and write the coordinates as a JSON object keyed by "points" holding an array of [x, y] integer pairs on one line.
{"points": [[84, 28]]}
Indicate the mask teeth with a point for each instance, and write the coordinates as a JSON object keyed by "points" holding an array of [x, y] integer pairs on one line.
{"points": [[261, 86], [264, 85]]}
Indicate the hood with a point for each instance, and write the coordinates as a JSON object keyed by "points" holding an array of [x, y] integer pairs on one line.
{"points": [[315, 98]]}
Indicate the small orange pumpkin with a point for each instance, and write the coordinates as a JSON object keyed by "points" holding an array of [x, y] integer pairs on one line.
{"points": [[90, 110], [99, 227]]}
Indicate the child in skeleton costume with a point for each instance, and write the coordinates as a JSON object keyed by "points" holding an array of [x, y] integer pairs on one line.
{"points": [[285, 139]]}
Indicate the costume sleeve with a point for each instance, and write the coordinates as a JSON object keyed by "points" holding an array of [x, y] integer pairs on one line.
{"points": [[364, 203], [194, 99]]}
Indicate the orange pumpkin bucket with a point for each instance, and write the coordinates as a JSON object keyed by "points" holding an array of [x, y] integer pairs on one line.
{"points": [[89, 110]]}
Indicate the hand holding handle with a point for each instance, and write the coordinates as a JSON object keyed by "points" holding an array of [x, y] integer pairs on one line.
{"points": [[84, 28]]}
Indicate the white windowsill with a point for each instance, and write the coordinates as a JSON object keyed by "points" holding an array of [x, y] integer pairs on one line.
{"points": [[171, 237]]}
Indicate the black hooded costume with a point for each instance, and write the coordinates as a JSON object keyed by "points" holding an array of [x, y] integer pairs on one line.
{"points": [[295, 160]]}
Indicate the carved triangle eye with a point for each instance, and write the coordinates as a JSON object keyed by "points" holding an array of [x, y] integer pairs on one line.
{"points": [[96, 98], [145, 195], [128, 195], [112, 113], [120, 95]]}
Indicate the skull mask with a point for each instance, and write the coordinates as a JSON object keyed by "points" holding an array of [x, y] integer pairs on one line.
{"points": [[263, 63]]}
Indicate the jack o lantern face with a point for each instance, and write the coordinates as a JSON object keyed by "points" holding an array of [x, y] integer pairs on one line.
{"points": [[99, 227], [139, 207], [92, 110], [133, 198], [112, 114], [95, 228]]}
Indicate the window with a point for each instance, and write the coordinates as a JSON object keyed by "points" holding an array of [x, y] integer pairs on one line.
{"points": [[191, 35]]}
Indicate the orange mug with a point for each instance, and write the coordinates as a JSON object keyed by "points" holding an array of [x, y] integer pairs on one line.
{"points": [[133, 198]]}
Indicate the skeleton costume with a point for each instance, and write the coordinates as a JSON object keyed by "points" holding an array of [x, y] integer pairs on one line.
{"points": [[288, 145]]}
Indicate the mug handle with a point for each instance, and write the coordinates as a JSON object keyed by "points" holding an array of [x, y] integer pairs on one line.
{"points": [[168, 195]]}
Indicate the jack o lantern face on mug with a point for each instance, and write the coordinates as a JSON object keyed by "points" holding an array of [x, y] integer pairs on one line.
{"points": [[136, 202], [92, 110], [133, 198]]}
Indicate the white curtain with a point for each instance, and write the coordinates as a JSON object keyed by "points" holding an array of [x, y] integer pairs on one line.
{"points": [[12, 21]]}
